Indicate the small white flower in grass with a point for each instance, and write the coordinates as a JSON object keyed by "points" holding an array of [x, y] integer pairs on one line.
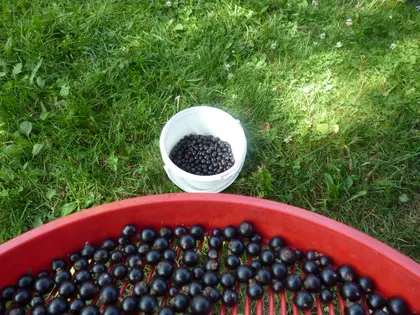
{"points": [[328, 88], [249, 14], [418, 8], [306, 89], [273, 45], [251, 44], [288, 139], [168, 4], [339, 45], [393, 46], [234, 96], [230, 75], [308, 123], [315, 3], [227, 66], [315, 43], [323, 35], [349, 22]]}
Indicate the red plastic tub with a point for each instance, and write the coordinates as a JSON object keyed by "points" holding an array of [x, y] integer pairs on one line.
{"points": [[394, 273]]}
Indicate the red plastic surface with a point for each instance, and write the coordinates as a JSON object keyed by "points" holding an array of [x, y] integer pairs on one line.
{"points": [[394, 273]]}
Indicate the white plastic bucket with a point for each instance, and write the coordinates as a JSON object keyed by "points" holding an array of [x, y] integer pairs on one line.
{"points": [[203, 120]]}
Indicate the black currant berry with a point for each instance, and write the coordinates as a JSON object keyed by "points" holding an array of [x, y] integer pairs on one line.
{"points": [[211, 265], [228, 280], [267, 257], [232, 262], [148, 304], [129, 305], [244, 273], [215, 242], [141, 288], [397, 306], [117, 256], [57, 306], [375, 301], [148, 235], [190, 258], [67, 289], [210, 279], [44, 285], [120, 271], [293, 283], [346, 273], [135, 275], [354, 309], [7, 293], [287, 256], [179, 231], [87, 291], [76, 306], [159, 287], [366, 284], [198, 273], [111, 310], [255, 291], [197, 232], [166, 310], [169, 254], [278, 286], [200, 305], [312, 283], [109, 244], [88, 251], [229, 232], [164, 269], [165, 232], [310, 267], [108, 295], [328, 277], [326, 296], [213, 294], [350, 291], [58, 264], [26, 281], [153, 257], [160, 244], [105, 279], [303, 300], [276, 243], [246, 229], [253, 249], [129, 231], [179, 302], [229, 298], [181, 276], [236, 247]]}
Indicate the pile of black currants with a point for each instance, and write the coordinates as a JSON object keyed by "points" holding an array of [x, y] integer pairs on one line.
{"points": [[185, 271], [202, 155]]}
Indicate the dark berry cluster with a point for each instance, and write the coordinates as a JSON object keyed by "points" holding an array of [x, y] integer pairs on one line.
{"points": [[140, 273], [202, 155]]}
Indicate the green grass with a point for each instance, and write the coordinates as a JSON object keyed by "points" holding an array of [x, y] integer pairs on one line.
{"points": [[86, 87]]}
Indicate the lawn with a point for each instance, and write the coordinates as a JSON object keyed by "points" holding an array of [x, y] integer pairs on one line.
{"points": [[328, 92]]}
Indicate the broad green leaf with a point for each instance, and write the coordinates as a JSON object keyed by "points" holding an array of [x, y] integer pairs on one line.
{"points": [[40, 82], [65, 89], [266, 179], [26, 128], [322, 128], [403, 198], [37, 222], [179, 27], [38, 65], [2, 74], [17, 69], [37, 148], [51, 193], [68, 208], [8, 46], [349, 182], [4, 193], [359, 194], [335, 128], [112, 161]]}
